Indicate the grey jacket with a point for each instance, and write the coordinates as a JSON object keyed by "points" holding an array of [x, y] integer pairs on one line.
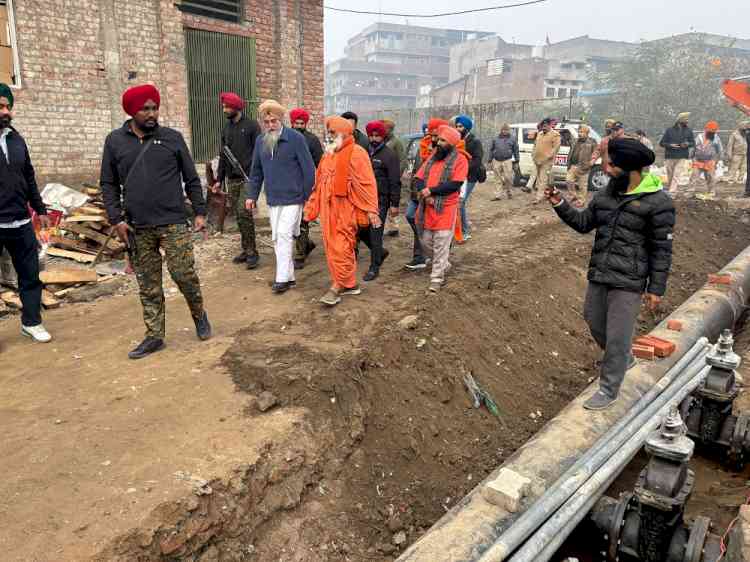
{"points": [[503, 148]]}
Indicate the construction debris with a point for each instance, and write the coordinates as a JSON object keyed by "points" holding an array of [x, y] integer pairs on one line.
{"points": [[68, 276]]}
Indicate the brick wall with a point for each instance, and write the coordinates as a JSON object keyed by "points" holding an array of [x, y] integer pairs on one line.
{"points": [[78, 56]]}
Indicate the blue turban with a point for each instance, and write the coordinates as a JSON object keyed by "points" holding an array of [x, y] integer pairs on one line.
{"points": [[466, 121]]}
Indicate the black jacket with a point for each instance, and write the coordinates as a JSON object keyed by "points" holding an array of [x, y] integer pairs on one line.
{"points": [[633, 244], [240, 138], [18, 182], [476, 150], [313, 143], [677, 135], [387, 168], [361, 139], [154, 195]]}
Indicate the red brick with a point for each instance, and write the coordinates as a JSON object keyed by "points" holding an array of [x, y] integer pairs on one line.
{"points": [[674, 325], [643, 352], [720, 279], [661, 347]]}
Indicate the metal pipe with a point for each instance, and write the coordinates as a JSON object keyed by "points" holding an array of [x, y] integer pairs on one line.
{"points": [[590, 461], [545, 542]]}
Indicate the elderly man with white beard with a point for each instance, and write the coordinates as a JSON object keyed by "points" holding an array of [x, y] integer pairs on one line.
{"points": [[282, 163]]}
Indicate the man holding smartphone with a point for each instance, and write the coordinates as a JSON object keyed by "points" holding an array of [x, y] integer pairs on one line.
{"points": [[631, 257]]}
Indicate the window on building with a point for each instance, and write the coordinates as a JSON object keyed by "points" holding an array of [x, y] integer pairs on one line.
{"points": [[562, 92], [216, 62], [227, 10], [551, 93], [9, 73], [573, 93]]}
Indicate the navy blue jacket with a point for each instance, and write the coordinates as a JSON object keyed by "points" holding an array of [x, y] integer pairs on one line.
{"points": [[17, 182], [288, 174]]}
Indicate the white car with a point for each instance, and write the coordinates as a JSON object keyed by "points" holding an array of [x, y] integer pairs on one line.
{"points": [[525, 133]]}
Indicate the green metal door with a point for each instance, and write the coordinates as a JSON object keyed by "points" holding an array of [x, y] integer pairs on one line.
{"points": [[216, 62]]}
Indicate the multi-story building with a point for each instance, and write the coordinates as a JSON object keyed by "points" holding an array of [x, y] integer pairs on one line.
{"points": [[69, 62], [385, 65], [491, 70]]}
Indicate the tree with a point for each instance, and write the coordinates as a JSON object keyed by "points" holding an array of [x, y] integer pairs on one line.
{"points": [[670, 76]]}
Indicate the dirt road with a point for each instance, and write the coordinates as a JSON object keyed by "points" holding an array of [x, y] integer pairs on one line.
{"points": [[168, 458]]}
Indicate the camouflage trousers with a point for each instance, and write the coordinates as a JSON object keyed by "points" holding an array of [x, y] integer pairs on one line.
{"points": [[245, 221], [176, 241]]}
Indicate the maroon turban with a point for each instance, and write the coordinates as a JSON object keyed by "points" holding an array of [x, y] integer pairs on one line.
{"points": [[136, 97], [230, 99], [299, 113], [376, 127]]}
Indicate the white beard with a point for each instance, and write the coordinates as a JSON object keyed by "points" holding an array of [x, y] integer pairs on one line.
{"points": [[270, 140], [335, 144]]}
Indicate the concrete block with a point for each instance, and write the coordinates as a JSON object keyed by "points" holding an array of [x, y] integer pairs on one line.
{"points": [[507, 490], [738, 549]]}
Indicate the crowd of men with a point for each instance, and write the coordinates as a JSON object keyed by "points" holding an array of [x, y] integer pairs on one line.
{"points": [[352, 184]]}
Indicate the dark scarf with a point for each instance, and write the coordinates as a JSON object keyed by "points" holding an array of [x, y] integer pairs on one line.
{"points": [[450, 161]]}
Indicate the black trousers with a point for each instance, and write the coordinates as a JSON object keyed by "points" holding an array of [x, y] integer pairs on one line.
{"points": [[747, 181], [24, 252], [373, 237]]}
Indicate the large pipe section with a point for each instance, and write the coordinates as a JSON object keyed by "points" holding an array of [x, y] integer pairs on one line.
{"points": [[468, 530]]}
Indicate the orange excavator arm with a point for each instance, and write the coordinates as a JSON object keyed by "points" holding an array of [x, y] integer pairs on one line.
{"points": [[737, 94]]}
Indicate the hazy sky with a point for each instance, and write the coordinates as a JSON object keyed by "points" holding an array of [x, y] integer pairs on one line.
{"points": [[627, 20]]}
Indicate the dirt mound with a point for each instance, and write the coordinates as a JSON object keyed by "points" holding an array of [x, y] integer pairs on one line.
{"points": [[401, 438]]}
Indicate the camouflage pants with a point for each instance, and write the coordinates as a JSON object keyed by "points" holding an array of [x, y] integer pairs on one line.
{"points": [[245, 221], [176, 241]]}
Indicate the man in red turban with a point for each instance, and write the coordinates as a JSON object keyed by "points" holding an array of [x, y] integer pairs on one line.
{"points": [[146, 172], [238, 137], [345, 198], [439, 183], [303, 246]]}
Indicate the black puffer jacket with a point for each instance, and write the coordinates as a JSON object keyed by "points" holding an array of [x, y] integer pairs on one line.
{"points": [[633, 245], [476, 150]]}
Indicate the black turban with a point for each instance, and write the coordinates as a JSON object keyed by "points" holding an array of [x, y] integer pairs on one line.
{"points": [[630, 155], [6, 92]]}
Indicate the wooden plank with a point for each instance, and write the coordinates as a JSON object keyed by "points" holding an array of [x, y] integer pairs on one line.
{"points": [[68, 276], [86, 218], [90, 210], [49, 301], [86, 232], [92, 191], [68, 244], [80, 257], [11, 299]]}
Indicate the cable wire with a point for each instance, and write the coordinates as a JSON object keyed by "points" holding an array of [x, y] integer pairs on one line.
{"points": [[440, 15]]}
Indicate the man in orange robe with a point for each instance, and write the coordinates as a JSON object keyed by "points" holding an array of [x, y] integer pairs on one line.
{"points": [[345, 198]]}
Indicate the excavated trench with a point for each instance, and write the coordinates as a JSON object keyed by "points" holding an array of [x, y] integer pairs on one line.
{"points": [[390, 439]]}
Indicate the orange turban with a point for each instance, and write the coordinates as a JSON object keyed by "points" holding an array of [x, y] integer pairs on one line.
{"points": [[339, 125], [449, 134], [712, 126], [136, 97], [434, 124]]}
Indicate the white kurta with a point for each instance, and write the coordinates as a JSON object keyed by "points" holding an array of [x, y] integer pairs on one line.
{"points": [[285, 221]]}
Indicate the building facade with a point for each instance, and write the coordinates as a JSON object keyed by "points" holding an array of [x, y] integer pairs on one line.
{"points": [[490, 70], [386, 65], [71, 61]]}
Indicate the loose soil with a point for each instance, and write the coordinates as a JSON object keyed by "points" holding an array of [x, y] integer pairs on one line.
{"points": [[375, 436]]}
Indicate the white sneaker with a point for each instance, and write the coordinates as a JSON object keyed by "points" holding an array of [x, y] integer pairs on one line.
{"points": [[37, 333]]}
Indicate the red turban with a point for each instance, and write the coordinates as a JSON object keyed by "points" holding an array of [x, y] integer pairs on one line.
{"points": [[299, 114], [434, 124], [375, 127], [230, 99], [136, 97], [449, 134]]}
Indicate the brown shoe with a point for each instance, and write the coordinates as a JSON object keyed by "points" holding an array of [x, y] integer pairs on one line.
{"points": [[331, 298]]}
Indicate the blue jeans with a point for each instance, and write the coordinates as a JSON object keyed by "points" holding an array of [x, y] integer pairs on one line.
{"points": [[465, 228]]}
